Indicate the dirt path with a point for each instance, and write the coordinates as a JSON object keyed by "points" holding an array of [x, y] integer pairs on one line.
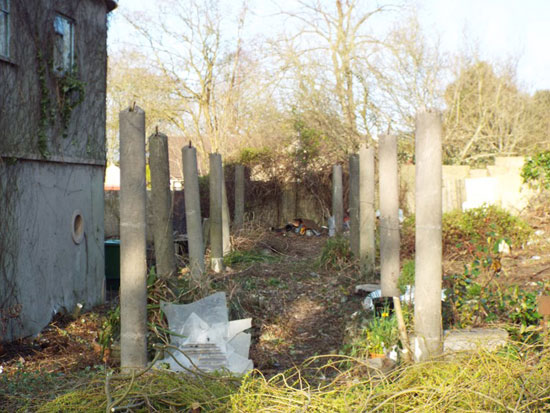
{"points": [[298, 309]]}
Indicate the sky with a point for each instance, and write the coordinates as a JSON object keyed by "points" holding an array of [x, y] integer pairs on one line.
{"points": [[502, 29]]}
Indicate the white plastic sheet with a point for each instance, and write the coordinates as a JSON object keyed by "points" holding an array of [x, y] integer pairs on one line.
{"points": [[205, 337]]}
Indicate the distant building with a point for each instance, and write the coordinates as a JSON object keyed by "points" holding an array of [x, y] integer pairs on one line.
{"points": [[52, 157], [175, 145], [112, 178]]}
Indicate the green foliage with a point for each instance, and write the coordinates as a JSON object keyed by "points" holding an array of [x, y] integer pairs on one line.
{"points": [[474, 230], [536, 170], [71, 94], [336, 253], [482, 227], [255, 156], [407, 275], [476, 298], [310, 142], [375, 335], [110, 330], [381, 333]]}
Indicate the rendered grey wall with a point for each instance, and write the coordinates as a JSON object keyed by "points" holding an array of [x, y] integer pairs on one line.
{"points": [[50, 166], [53, 273]]}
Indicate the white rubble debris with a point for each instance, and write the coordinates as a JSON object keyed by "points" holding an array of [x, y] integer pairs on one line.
{"points": [[504, 247], [407, 298], [205, 337]]}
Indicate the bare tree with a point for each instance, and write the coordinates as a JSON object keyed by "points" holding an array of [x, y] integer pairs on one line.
{"points": [[410, 73], [340, 33], [189, 50], [132, 79], [486, 114]]}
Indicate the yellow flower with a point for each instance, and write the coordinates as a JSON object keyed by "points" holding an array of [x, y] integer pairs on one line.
{"points": [[385, 314]]}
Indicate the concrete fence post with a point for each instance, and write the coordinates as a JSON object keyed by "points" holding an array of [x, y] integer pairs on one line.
{"points": [[226, 220], [354, 229], [389, 215], [163, 230], [193, 213], [337, 199], [428, 264], [133, 264], [367, 215], [215, 219], [238, 219], [288, 203]]}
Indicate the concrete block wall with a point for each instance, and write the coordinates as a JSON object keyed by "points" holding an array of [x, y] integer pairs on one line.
{"points": [[499, 184], [463, 187]]}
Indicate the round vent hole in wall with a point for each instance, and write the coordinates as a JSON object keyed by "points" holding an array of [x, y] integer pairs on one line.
{"points": [[77, 228]]}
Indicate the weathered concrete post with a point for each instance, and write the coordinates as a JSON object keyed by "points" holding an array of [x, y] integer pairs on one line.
{"points": [[428, 265], [226, 220], [354, 229], [216, 231], [133, 265], [367, 215], [238, 219], [193, 213], [337, 199], [288, 203], [161, 204], [389, 215]]}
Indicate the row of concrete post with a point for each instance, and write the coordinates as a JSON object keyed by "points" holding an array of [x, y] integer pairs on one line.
{"points": [[428, 259], [133, 290], [133, 265]]}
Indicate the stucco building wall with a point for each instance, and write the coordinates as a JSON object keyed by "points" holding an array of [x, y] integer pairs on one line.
{"points": [[51, 167]]}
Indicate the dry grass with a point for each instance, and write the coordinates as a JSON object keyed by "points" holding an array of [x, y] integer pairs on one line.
{"points": [[514, 379]]}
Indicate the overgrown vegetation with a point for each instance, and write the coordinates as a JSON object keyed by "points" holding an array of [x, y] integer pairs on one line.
{"points": [[336, 253], [517, 377], [473, 231], [536, 170], [343, 380]]}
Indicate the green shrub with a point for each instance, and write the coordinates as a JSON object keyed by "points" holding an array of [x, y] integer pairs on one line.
{"points": [[473, 231], [483, 226], [536, 170], [472, 300], [336, 253]]}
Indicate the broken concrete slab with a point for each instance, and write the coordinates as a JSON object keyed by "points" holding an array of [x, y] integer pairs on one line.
{"points": [[366, 288], [474, 339]]}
